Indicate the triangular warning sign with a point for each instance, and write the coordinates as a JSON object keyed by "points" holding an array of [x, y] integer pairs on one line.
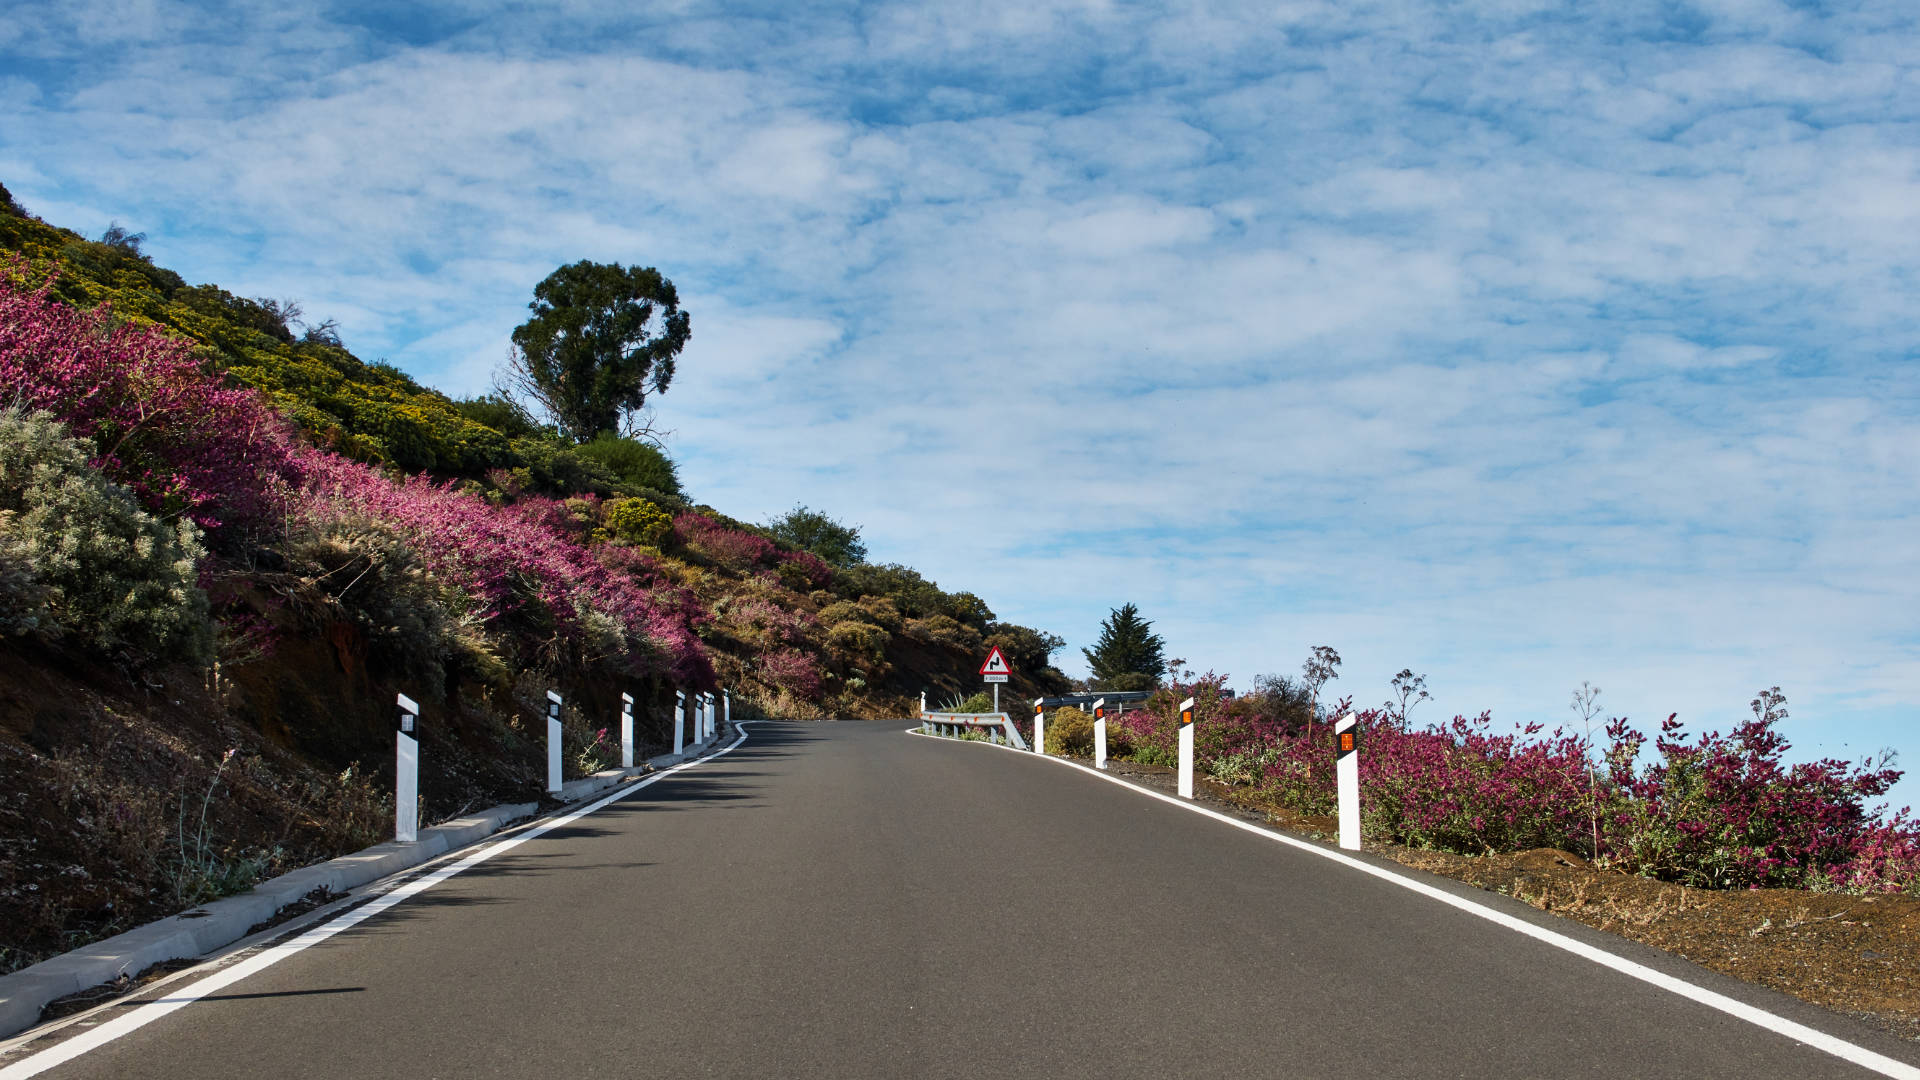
{"points": [[996, 664]]}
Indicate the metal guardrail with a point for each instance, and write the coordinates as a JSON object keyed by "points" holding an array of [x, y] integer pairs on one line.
{"points": [[997, 727]]}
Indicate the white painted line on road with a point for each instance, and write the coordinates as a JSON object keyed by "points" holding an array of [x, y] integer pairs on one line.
{"points": [[154, 1010], [1752, 1014]]}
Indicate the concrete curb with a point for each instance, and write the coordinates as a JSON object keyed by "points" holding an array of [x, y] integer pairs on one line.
{"points": [[26, 992]]}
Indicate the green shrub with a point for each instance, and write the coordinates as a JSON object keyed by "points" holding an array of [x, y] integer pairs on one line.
{"points": [[365, 572], [880, 611], [637, 521], [945, 630], [633, 463], [79, 559], [841, 611], [858, 641], [1070, 731], [981, 702]]}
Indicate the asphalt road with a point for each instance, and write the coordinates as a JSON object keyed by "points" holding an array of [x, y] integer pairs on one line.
{"points": [[846, 900]]}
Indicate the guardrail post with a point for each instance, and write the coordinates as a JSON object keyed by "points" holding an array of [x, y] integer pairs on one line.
{"points": [[1186, 749], [679, 722], [626, 730], [406, 773], [1346, 767], [553, 742], [1039, 727]]}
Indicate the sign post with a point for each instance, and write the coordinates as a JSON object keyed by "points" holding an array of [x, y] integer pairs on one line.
{"points": [[626, 731], [553, 742], [1186, 749], [1346, 767], [995, 671], [406, 773], [679, 722], [1100, 734], [1039, 726]]}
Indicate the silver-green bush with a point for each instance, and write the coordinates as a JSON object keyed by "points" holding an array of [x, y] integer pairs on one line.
{"points": [[80, 561]]}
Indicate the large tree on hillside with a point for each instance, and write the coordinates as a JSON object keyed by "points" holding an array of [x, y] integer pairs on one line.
{"points": [[602, 337], [1128, 656]]}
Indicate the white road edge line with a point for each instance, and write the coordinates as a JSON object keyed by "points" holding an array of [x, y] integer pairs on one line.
{"points": [[1779, 1025], [154, 1010]]}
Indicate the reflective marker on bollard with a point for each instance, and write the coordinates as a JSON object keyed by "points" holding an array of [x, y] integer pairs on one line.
{"points": [[626, 731], [553, 742], [406, 773], [1186, 749], [1346, 769]]}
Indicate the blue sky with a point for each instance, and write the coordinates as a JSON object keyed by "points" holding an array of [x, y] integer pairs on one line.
{"points": [[1519, 343]]}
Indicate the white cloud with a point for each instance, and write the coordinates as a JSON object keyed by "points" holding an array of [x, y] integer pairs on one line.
{"points": [[1519, 343]]}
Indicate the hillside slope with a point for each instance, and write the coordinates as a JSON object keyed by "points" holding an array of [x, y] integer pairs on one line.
{"points": [[224, 547]]}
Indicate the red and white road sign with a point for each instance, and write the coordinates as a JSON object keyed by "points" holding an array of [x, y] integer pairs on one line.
{"points": [[996, 669]]}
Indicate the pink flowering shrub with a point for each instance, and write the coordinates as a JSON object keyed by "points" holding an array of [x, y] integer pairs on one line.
{"points": [[791, 670], [161, 423], [803, 571], [513, 565], [1718, 811], [1461, 787], [726, 547], [1727, 811], [766, 624]]}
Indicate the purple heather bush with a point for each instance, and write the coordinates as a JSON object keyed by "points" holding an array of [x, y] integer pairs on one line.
{"points": [[514, 565], [731, 548], [791, 670], [160, 422], [1716, 811]]}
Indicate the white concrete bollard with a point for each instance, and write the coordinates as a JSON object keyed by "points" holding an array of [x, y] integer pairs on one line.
{"points": [[726, 707], [553, 742], [1099, 744], [1186, 749], [406, 773], [1346, 767], [1039, 727], [626, 731], [679, 722], [923, 703]]}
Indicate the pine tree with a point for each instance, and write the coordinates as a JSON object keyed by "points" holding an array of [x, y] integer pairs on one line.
{"points": [[1127, 652]]}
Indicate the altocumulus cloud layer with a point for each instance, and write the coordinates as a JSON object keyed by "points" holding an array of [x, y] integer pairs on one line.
{"points": [[1519, 343]]}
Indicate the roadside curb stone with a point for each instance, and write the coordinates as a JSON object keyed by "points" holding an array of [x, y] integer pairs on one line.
{"points": [[208, 927]]}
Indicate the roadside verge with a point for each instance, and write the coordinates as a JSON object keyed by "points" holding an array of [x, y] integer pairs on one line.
{"points": [[25, 994]]}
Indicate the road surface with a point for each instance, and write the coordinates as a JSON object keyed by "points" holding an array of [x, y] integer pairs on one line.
{"points": [[846, 900]]}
